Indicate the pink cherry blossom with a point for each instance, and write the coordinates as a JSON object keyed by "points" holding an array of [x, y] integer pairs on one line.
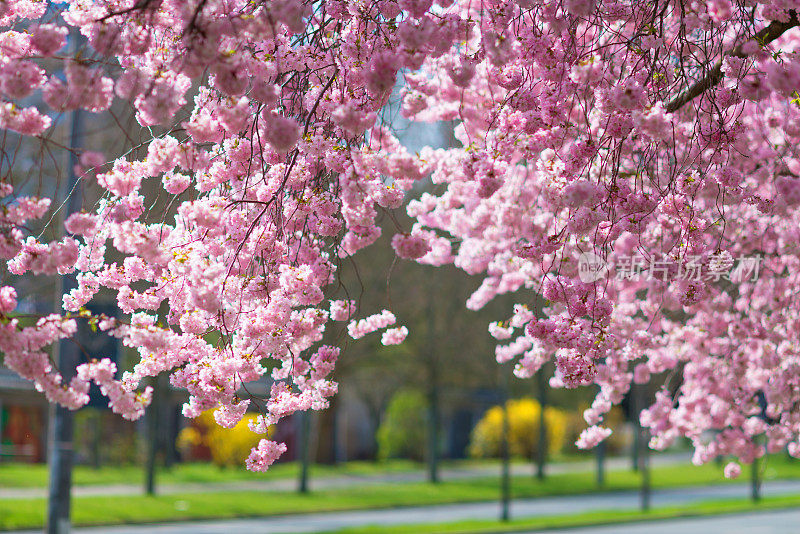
{"points": [[8, 299], [394, 336], [410, 246], [732, 470], [264, 455]]}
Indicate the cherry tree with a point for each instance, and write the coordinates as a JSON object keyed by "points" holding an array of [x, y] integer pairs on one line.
{"points": [[658, 138]]}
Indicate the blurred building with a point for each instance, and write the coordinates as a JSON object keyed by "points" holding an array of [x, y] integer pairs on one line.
{"points": [[23, 417]]}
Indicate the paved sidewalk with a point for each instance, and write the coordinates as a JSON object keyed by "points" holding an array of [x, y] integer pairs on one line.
{"points": [[628, 500], [337, 481]]}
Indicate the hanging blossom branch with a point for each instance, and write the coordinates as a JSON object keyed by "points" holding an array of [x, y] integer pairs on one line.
{"points": [[714, 76]]}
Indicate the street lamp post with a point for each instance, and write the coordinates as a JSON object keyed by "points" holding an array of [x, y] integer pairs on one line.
{"points": [[67, 354]]}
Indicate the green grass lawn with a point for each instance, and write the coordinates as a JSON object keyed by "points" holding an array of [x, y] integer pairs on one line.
{"points": [[29, 513], [21, 475], [602, 517]]}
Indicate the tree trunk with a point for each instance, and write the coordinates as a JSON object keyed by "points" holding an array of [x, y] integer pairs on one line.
{"points": [[755, 481], [326, 447]]}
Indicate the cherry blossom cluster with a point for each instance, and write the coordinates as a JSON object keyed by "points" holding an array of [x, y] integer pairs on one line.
{"points": [[661, 130], [617, 128], [261, 124]]}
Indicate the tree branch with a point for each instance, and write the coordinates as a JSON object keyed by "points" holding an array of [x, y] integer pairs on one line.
{"points": [[714, 76]]}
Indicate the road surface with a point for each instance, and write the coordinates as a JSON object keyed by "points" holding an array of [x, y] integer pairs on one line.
{"points": [[773, 522]]}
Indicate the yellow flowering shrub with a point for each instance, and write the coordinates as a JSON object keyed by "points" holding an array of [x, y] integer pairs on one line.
{"points": [[227, 446], [523, 429]]}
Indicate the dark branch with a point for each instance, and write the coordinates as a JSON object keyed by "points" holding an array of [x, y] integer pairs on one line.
{"points": [[714, 76]]}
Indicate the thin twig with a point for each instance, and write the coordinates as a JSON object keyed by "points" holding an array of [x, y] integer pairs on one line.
{"points": [[714, 76]]}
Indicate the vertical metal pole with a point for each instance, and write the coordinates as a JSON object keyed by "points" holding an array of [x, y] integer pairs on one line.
{"points": [[433, 398], [541, 453], [152, 438], [755, 479], [344, 444], [641, 446], [505, 480], [644, 455], [433, 434], [60, 460], [303, 441], [600, 455], [67, 354]]}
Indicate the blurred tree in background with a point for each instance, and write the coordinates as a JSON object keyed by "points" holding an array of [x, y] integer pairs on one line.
{"points": [[402, 431]]}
